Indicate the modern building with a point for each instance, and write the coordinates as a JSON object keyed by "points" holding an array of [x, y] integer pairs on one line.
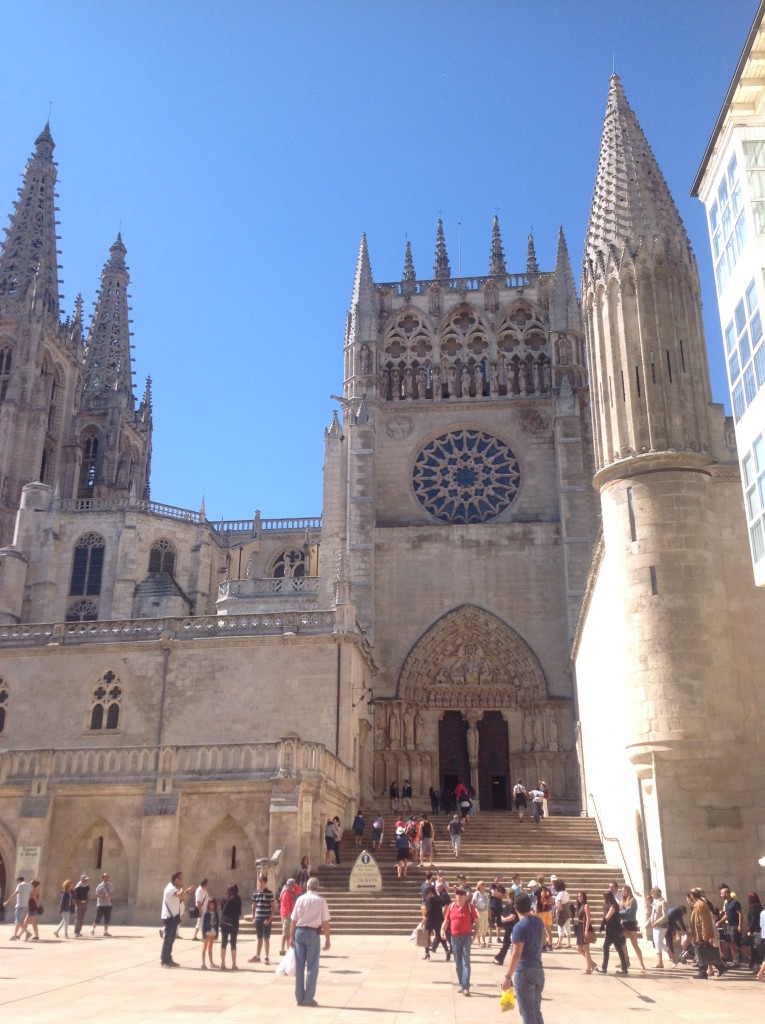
{"points": [[175, 690], [731, 184]]}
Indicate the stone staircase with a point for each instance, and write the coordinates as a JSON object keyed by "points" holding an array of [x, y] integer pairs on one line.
{"points": [[494, 842]]}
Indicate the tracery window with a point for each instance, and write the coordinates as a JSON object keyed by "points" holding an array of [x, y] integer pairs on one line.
{"points": [[6, 356], [87, 566], [3, 704], [290, 563], [466, 476], [162, 557], [107, 702], [82, 611]]}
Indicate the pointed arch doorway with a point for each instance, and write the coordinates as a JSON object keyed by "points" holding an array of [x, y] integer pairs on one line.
{"points": [[487, 768]]}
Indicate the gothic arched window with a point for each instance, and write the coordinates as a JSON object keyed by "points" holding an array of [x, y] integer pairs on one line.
{"points": [[6, 356], [87, 566], [106, 703], [290, 563], [162, 557], [89, 464], [3, 704]]}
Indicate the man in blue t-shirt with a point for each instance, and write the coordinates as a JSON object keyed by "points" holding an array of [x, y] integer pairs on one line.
{"points": [[525, 972]]}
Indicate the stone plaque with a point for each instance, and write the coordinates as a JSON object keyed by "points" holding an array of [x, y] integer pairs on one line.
{"points": [[306, 813], [27, 861]]}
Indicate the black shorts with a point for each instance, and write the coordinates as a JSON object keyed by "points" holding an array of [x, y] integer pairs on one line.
{"points": [[520, 801], [262, 930], [402, 854], [330, 843], [103, 914]]}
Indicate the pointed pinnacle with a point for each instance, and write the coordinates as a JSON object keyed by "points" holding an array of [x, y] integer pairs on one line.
{"points": [[497, 266], [441, 269], [532, 267], [362, 281], [565, 314], [409, 274]]}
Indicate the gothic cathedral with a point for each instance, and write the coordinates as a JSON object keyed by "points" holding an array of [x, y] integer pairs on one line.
{"points": [[530, 564]]}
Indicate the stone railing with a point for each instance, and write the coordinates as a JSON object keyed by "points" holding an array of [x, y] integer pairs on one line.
{"points": [[269, 587], [463, 284], [180, 763], [114, 631], [253, 526]]}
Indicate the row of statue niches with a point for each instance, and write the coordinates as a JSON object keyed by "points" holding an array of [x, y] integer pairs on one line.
{"points": [[461, 380]]}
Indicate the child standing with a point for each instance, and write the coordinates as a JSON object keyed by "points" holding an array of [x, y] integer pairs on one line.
{"points": [[210, 925]]}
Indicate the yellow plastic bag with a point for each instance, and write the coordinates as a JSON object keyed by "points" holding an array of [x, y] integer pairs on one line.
{"points": [[507, 1002]]}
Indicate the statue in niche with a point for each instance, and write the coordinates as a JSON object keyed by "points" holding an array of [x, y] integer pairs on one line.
{"points": [[365, 360], [379, 727], [493, 380], [395, 383], [437, 393], [502, 371], [564, 349], [472, 742], [539, 731], [419, 730], [420, 378], [547, 376], [394, 727], [465, 382], [451, 381], [528, 731], [408, 376], [408, 728], [552, 730]]}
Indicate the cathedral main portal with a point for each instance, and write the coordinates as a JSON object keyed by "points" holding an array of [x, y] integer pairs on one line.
{"points": [[472, 705]]}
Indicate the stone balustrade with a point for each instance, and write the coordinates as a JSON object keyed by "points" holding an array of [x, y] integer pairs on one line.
{"points": [[284, 586], [288, 757], [463, 284], [191, 628]]}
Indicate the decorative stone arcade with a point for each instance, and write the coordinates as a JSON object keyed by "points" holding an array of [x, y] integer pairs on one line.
{"points": [[473, 705]]}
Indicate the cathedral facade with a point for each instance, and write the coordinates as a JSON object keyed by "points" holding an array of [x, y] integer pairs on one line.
{"points": [[176, 690]]}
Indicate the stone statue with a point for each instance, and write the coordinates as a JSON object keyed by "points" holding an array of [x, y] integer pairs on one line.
{"points": [[408, 382], [419, 730], [437, 393], [552, 730], [493, 380], [365, 360], [394, 727], [564, 349], [528, 731], [465, 382], [408, 728], [472, 743], [539, 731], [395, 383], [451, 380], [420, 378]]}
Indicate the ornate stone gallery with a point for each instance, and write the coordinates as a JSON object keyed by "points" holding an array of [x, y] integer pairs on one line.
{"points": [[466, 476], [473, 705]]}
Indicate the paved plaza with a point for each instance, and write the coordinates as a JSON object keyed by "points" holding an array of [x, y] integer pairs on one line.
{"points": [[362, 979]]}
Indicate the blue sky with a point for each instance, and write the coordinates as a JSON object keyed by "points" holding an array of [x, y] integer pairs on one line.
{"points": [[243, 147]]}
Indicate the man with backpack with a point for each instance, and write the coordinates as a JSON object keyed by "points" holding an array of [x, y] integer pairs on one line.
{"points": [[454, 828], [426, 841]]}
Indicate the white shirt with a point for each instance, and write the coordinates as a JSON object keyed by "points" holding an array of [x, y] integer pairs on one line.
{"points": [[171, 902], [23, 889], [310, 911], [201, 898]]}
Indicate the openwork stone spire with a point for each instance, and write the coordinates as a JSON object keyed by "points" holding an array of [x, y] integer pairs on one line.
{"points": [[564, 307], [107, 362], [441, 269], [497, 266], [631, 201], [532, 267], [28, 260]]}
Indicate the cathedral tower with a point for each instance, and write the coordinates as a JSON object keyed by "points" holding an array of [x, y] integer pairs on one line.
{"points": [[39, 356], [663, 473]]}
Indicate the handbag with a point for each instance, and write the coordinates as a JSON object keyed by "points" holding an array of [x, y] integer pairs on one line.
{"points": [[590, 936], [422, 936], [194, 913], [40, 909]]}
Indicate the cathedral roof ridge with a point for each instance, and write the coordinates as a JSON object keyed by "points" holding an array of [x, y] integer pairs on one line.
{"points": [[631, 198]]}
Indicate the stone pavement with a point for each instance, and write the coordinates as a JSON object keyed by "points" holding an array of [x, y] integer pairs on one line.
{"points": [[362, 979]]}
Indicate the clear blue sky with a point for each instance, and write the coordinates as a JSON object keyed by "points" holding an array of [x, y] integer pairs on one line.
{"points": [[243, 147]]}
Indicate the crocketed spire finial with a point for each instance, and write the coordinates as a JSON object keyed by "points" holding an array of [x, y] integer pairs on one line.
{"points": [[532, 267], [410, 276], [441, 269], [107, 364], [564, 305], [497, 266]]}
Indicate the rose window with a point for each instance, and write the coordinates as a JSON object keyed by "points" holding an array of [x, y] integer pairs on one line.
{"points": [[466, 476]]}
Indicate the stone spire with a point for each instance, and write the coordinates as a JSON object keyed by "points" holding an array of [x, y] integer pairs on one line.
{"points": [[362, 281], [631, 202], [564, 307], [108, 369], [532, 267], [410, 276], [28, 259], [642, 305], [441, 269], [497, 266]]}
